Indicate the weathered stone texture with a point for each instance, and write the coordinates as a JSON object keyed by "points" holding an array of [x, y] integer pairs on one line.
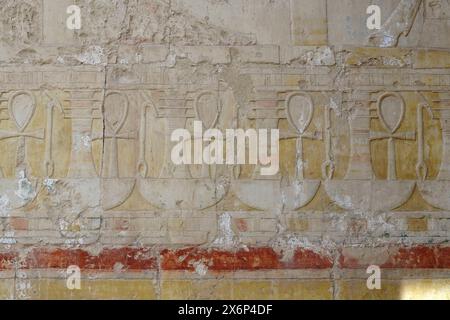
{"points": [[86, 177]]}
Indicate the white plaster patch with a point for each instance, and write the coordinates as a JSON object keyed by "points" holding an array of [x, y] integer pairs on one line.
{"points": [[25, 190], [82, 142], [23, 286], [63, 225], [344, 201], [287, 245], [49, 184], [171, 60], [322, 56], [379, 225], [4, 206], [200, 268], [222, 185], [93, 55], [8, 238], [74, 242], [225, 234], [118, 267]]}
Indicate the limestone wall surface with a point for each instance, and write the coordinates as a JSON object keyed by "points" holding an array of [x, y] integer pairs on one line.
{"points": [[86, 177]]}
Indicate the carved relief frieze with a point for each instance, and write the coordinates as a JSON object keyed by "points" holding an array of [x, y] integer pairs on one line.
{"points": [[113, 136]]}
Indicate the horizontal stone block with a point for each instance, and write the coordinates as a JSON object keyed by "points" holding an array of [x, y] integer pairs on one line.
{"points": [[394, 290], [429, 59], [298, 225], [303, 290], [257, 54], [309, 22], [204, 54], [239, 22], [196, 289], [379, 57], [307, 55], [154, 53], [417, 224], [7, 288], [112, 289]]}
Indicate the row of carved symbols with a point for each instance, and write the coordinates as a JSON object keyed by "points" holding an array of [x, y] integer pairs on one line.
{"points": [[176, 187], [360, 190]]}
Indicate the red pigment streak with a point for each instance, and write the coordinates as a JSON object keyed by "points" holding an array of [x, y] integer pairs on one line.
{"points": [[251, 259], [419, 257], [129, 258], [348, 262], [412, 258], [264, 258], [307, 259], [241, 225], [443, 258], [8, 260]]}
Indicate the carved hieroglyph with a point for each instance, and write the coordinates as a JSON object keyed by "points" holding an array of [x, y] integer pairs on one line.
{"points": [[436, 191], [175, 188], [361, 190], [21, 107], [298, 108]]}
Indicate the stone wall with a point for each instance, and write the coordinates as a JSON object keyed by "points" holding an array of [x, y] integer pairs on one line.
{"points": [[86, 177]]}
